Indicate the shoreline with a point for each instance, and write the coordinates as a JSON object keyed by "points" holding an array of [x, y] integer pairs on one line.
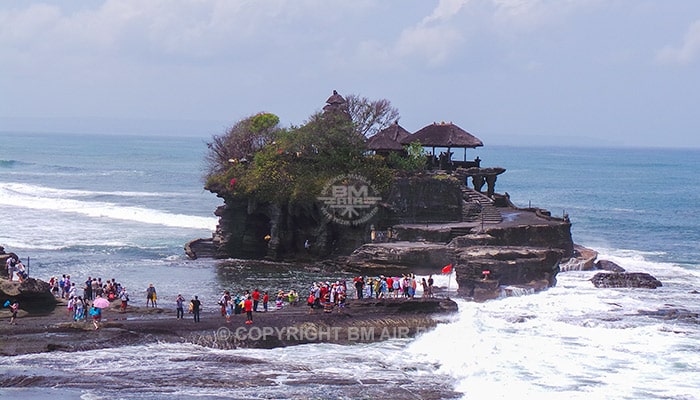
{"points": [[362, 321]]}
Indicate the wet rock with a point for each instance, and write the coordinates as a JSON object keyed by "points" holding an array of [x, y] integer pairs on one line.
{"points": [[608, 266], [524, 267], [33, 295], [625, 280], [672, 313], [409, 255]]}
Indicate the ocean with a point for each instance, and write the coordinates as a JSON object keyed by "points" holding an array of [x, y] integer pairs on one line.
{"points": [[124, 206]]}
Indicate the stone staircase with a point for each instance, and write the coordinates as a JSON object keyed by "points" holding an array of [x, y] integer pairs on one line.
{"points": [[201, 248], [476, 206]]}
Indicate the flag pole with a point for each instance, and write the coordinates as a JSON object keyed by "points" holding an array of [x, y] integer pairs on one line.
{"points": [[449, 278]]}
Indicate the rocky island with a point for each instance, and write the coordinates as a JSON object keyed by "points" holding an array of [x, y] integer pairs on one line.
{"points": [[415, 211]]}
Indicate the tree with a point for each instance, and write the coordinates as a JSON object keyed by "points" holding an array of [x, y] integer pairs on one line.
{"points": [[241, 142], [370, 116]]}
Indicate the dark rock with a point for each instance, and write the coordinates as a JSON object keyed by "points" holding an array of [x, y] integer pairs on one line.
{"points": [[536, 235], [244, 225], [33, 295], [424, 199], [525, 267], [608, 266], [625, 280], [476, 239], [413, 256]]}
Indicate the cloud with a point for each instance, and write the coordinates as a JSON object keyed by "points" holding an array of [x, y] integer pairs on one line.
{"points": [[180, 28], [687, 52], [435, 36]]}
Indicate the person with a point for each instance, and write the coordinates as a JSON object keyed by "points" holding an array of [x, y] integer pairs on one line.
{"points": [[14, 307], [256, 299], [87, 289], [124, 297], [229, 308], [223, 302], [396, 283], [279, 301], [151, 296], [327, 303], [11, 262], [62, 286], [73, 291], [238, 304], [359, 286], [293, 297], [21, 271], [67, 287], [69, 306], [94, 288], [78, 309], [53, 282], [310, 302], [426, 289], [431, 282], [179, 306], [412, 287], [96, 316], [248, 306], [307, 246], [341, 301], [196, 306], [266, 300]]}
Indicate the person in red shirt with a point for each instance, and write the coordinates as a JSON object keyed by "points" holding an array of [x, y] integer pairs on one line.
{"points": [[266, 299], [256, 299], [248, 307]]}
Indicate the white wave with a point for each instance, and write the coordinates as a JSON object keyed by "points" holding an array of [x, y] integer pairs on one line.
{"points": [[42, 198], [571, 342], [19, 189]]}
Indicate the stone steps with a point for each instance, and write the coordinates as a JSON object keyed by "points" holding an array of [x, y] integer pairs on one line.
{"points": [[200, 248], [478, 207]]}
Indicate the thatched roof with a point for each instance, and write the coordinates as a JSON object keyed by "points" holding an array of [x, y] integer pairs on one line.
{"points": [[444, 135], [335, 98], [388, 138]]}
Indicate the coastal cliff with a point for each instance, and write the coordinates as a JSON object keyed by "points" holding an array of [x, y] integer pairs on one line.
{"points": [[425, 221]]}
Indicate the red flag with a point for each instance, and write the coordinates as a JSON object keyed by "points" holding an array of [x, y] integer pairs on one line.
{"points": [[447, 269]]}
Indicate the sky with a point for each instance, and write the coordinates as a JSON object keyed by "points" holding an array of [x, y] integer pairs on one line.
{"points": [[511, 72]]}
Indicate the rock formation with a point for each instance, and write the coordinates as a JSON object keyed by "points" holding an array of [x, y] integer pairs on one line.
{"points": [[608, 266], [488, 272], [33, 295], [625, 280], [424, 223]]}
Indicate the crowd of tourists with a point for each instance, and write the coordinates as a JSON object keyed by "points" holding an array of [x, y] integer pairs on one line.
{"points": [[249, 302], [384, 287], [325, 295]]}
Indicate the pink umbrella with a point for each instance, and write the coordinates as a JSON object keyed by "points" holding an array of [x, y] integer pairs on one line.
{"points": [[101, 302]]}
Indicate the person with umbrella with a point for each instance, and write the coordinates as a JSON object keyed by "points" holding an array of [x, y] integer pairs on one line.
{"points": [[96, 310]]}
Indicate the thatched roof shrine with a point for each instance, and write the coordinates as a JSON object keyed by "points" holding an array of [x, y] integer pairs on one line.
{"points": [[388, 139], [444, 135], [335, 103]]}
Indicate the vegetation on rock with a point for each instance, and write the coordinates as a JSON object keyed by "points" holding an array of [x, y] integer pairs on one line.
{"points": [[258, 159]]}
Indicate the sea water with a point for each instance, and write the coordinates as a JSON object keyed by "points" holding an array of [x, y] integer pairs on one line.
{"points": [[123, 207]]}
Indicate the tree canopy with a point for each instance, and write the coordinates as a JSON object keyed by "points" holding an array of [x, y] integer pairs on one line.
{"points": [[256, 158]]}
